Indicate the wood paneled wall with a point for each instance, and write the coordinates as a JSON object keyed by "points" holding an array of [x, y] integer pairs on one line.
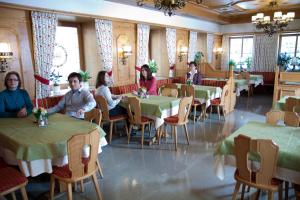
{"points": [[122, 74], [182, 39], [217, 58], [15, 28], [158, 51]]}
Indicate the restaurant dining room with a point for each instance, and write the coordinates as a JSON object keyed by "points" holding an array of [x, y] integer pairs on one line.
{"points": [[150, 99]]}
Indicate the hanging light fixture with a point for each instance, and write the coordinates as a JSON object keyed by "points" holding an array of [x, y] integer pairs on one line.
{"points": [[168, 6], [279, 22]]}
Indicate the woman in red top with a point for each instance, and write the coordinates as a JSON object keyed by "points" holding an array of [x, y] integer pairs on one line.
{"points": [[147, 80]]}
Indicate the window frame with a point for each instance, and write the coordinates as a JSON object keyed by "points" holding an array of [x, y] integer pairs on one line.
{"points": [[241, 37], [289, 35]]}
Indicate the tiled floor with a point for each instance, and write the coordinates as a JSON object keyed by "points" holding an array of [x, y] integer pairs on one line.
{"points": [[159, 172]]}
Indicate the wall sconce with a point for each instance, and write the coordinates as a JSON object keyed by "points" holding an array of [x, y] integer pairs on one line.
{"points": [[125, 51], [182, 52], [5, 54], [218, 52]]}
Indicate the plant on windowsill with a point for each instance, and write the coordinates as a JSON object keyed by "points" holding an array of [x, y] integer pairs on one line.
{"points": [[198, 57], [85, 78], [283, 61], [153, 67], [55, 78], [231, 64], [248, 62]]}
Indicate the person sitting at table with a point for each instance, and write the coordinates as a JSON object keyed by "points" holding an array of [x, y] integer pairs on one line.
{"points": [[14, 102], [147, 80], [194, 75], [111, 99], [77, 101]]}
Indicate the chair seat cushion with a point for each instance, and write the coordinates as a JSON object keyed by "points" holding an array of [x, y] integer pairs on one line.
{"points": [[172, 119], [65, 172], [196, 102], [118, 117], [10, 177], [215, 101], [145, 119]]}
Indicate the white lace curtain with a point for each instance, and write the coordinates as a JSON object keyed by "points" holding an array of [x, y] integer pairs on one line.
{"points": [[192, 46], [104, 41], [265, 53], [44, 30], [143, 31], [210, 47], [225, 55], [171, 47]]}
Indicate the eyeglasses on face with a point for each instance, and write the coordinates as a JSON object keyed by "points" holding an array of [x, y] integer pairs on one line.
{"points": [[13, 79]]}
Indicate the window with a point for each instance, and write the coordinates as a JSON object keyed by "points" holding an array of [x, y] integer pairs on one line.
{"points": [[240, 51], [66, 52], [289, 45]]}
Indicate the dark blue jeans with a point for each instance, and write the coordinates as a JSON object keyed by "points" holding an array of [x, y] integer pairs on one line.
{"points": [[118, 110]]}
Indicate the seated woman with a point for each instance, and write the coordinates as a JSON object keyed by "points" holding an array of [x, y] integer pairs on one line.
{"points": [[14, 102], [147, 80], [194, 75], [112, 100]]}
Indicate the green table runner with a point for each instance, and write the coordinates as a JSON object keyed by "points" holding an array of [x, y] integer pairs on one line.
{"points": [[204, 92], [287, 138], [155, 105], [30, 142], [280, 104]]}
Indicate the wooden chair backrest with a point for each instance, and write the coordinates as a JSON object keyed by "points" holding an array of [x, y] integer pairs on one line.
{"points": [[290, 103], [169, 92], [134, 110], [245, 75], [296, 109], [75, 146], [291, 119], [268, 152], [103, 106], [289, 77], [170, 85], [190, 91], [273, 116], [224, 95], [93, 115], [284, 92], [184, 109], [184, 90], [297, 92]]}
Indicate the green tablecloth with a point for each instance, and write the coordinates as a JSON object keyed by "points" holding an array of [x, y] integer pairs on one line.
{"points": [[280, 104], [204, 92], [287, 138], [154, 105], [238, 82], [256, 77], [30, 142]]}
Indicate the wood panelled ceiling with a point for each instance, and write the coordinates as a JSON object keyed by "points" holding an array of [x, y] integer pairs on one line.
{"points": [[227, 11]]}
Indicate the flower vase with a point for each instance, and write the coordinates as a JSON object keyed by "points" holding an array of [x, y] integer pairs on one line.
{"points": [[86, 85], [56, 89]]}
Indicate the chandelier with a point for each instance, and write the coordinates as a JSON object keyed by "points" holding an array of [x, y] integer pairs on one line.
{"points": [[279, 22], [168, 6]]}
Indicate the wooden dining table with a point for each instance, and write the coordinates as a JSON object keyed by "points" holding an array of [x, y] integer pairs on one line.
{"points": [[287, 139], [36, 149]]}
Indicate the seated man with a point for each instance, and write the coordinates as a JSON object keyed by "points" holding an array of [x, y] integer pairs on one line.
{"points": [[77, 101]]}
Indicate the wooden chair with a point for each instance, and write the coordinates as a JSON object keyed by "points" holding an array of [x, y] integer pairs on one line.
{"points": [[291, 119], [296, 109], [135, 117], [179, 120], [246, 75], [262, 179], [11, 180], [170, 85], [169, 92], [273, 116], [78, 168], [220, 102], [94, 115], [189, 91], [102, 104], [290, 103], [289, 92]]}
